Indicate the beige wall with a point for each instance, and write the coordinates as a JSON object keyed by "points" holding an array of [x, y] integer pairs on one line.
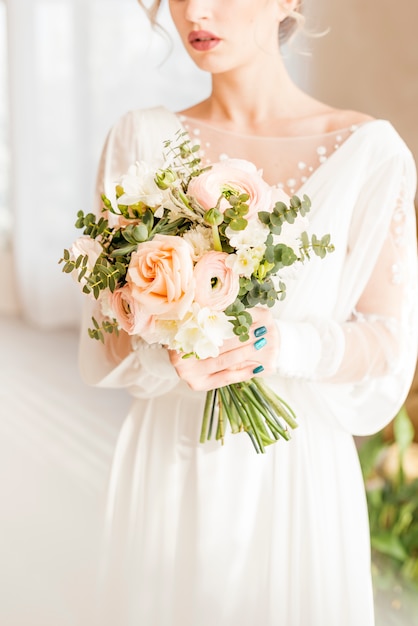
{"points": [[369, 59]]}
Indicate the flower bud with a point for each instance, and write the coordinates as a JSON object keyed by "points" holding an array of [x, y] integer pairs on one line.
{"points": [[140, 232], [106, 201], [213, 217], [263, 269], [165, 178]]}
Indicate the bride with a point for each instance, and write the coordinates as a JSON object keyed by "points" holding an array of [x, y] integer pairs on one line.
{"points": [[210, 535]]}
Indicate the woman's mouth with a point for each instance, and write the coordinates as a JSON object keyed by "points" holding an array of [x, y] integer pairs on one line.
{"points": [[203, 40]]}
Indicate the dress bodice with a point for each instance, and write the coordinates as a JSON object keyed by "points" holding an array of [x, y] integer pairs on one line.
{"points": [[286, 162]]}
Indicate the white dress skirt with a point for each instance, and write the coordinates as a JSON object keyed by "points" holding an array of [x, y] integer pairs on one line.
{"points": [[217, 535]]}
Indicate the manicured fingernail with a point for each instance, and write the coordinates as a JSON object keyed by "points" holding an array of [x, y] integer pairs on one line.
{"points": [[260, 343], [259, 332], [258, 369]]}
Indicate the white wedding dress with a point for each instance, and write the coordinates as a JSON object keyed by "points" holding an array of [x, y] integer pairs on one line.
{"points": [[211, 535]]}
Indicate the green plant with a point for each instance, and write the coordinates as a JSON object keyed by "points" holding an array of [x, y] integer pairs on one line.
{"points": [[392, 499]]}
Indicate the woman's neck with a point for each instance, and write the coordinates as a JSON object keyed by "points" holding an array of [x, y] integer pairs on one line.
{"points": [[252, 99]]}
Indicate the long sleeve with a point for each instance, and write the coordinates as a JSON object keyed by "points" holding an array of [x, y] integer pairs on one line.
{"points": [[369, 343], [123, 361], [368, 347]]}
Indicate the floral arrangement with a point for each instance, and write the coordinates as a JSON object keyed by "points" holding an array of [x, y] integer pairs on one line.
{"points": [[180, 256]]}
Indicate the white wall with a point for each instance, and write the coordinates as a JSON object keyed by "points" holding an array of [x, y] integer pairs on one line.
{"points": [[69, 83]]}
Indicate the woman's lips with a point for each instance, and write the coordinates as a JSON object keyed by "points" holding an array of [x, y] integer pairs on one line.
{"points": [[203, 40]]}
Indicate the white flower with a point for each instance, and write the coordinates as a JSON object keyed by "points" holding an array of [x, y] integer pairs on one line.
{"points": [[290, 235], [85, 246], [139, 186], [245, 261], [203, 331], [201, 240], [105, 306], [253, 235], [165, 333]]}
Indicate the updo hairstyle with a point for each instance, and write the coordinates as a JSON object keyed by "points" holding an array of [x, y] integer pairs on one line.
{"points": [[291, 24]]}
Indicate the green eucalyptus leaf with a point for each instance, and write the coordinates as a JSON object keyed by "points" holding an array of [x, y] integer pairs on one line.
{"points": [[288, 257], [112, 283], [276, 230], [276, 220], [124, 250], [280, 208], [290, 216], [68, 267], [238, 223], [264, 217], [295, 202], [230, 214]]}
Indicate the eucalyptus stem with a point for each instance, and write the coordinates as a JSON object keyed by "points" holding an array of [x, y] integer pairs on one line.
{"points": [[277, 402], [208, 412], [251, 407], [272, 415], [230, 410]]}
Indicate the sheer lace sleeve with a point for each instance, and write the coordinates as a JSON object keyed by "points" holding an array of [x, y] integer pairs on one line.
{"points": [[374, 336], [369, 343], [123, 361], [375, 344]]}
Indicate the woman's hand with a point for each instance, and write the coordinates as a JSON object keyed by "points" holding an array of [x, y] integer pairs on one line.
{"points": [[237, 360]]}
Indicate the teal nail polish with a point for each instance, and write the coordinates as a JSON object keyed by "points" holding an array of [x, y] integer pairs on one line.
{"points": [[258, 369], [260, 343], [259, 332]]}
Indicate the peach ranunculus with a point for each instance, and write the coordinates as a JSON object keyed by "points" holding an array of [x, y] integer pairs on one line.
{"points": [[127, 312], [234, 174], [160, 276], [217, 285]]}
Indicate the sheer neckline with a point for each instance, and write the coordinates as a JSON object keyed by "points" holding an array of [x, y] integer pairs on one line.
{"points": [[248, 137], [288, 163]]}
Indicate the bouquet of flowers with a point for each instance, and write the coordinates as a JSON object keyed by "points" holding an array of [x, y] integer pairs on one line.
{"points": [[180, 256]]}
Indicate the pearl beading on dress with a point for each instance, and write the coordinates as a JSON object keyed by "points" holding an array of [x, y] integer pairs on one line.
{"points": [[300, 171]]}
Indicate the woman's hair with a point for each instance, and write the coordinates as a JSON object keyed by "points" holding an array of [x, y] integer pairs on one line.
{"points": [[151, 9], [288, 27], [291, 24]]}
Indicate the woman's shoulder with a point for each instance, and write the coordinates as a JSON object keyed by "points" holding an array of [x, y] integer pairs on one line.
{"points": [[339, 119], [149, 115], [140, 134], [380, 133]]}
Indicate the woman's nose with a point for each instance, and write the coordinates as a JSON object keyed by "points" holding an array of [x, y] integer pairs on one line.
{"points": [[197, 10]]}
